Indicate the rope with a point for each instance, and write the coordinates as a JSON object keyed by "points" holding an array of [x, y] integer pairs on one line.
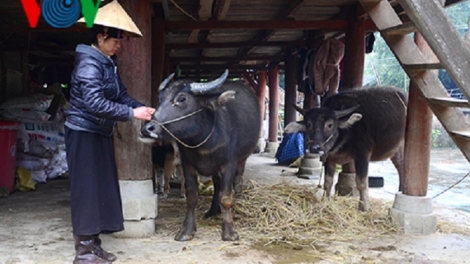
{"points": [[183, 117], [183, 11], [179, 118], [452, 186]]}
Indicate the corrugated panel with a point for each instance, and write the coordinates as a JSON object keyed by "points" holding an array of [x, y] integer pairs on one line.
{"points": [[287, 35], [223, 52], [223, 36]]}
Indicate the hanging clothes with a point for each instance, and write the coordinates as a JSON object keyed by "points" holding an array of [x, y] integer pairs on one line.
{"points": [[324, 70]]}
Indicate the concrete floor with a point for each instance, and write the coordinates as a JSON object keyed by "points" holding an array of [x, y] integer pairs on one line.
{"points": [[35, 226]]}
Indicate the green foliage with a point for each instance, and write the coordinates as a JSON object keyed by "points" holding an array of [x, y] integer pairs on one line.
{"points": [[382, 68], [434, 138]]}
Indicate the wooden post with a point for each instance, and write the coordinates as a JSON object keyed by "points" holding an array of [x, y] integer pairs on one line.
{"points": [[418, 134], [354, 56], [310, 100], [261, 93], [158, 56], [273, 104], [132, 156], [290, 87]]}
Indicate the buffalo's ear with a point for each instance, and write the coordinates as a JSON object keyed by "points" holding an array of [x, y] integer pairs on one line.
{"points": [[300, 110], [225, 97], [215, 101], [351, 120], [294, 127]]}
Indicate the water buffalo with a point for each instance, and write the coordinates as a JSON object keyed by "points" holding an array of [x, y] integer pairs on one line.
{"points": [[216, 125], [360, 125]]}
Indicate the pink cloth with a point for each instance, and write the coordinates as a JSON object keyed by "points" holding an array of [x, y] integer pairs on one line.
{"points": [[325, 70]]}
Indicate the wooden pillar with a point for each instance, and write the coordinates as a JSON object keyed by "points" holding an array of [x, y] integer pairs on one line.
{"points": [[261, 94], [310, 99], [134, 67], [158, 56], [273, 103], [290, 87], [418, 134], [352, 75], [354, 53]]}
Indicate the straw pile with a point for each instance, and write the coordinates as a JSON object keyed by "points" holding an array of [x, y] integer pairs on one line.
{"points": [[296, 214]]}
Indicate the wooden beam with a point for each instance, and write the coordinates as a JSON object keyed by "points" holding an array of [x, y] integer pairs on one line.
{"points": [[204, 13], [223, 66], [234, 44], [250, 80], [39, 29], [229, 59], [287, 24], [264, 35]]}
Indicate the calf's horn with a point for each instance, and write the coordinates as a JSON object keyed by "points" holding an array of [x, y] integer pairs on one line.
{"points": [[201, 88], [165, 82], [345, 112]]}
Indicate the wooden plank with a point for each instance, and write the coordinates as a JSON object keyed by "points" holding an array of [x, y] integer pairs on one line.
{"points": [[423, 66], [463, 134], [381, 13], [452, 118], [402, 29], [449, 101], [370, 1], [428, 82], [431, 20]]}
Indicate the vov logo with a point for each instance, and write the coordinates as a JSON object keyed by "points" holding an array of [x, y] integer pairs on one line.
{"points": [[60, 13]]}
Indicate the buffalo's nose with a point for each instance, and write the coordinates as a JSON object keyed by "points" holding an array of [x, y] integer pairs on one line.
{"points": [[315, 148], [150, 127], [147, 129]]}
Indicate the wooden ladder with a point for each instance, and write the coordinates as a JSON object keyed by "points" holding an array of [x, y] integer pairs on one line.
{"points": [[429, 18]]}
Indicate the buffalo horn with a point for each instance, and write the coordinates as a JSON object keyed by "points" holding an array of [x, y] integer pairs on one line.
{"points": [[165, 82], [300, 110], [345, 112], [201, 88]]}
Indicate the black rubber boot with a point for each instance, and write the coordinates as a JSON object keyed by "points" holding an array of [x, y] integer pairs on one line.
{"points": [[100, 252], [85, 247]]}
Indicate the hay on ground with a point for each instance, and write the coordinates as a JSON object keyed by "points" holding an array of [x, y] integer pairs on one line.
{"points": [[296, 214]]}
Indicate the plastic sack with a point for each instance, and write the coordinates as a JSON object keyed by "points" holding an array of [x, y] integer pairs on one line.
{"points": [[23, 180], [45, 132], [39, 176], [25, 115], [38, 102], [30, 162]]}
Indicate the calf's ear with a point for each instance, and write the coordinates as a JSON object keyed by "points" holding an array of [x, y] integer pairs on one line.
{"points": [[351, 120], [294, 127]]}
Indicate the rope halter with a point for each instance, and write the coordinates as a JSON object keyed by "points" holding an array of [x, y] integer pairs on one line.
{"points": [[181, 118]]}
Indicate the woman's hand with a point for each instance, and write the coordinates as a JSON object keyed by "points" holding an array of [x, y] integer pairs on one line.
{"points": [[143, 112]]}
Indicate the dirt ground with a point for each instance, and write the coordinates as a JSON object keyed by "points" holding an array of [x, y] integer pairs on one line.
{"points": [[35, 227]]}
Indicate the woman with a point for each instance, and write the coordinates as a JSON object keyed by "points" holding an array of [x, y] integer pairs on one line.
{"points": [[97, 100]]}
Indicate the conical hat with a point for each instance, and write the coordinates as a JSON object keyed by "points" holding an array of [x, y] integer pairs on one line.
{"points": [[113, 15]]}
